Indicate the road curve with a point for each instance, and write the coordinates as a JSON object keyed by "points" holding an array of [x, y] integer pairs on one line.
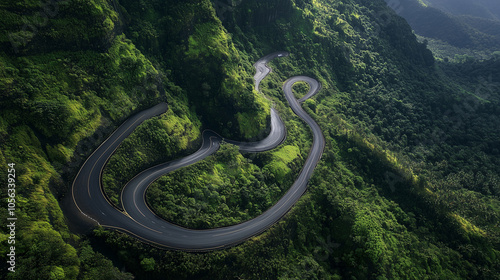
{"points": [[262, 70], [139, 221]]}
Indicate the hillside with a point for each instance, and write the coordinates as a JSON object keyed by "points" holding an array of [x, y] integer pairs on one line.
{"points": [[487, 9], [407, 188], [451, 28]]}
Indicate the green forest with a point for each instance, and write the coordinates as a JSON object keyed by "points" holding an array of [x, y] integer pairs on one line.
{"points": [[407, 188], [462, 29]]}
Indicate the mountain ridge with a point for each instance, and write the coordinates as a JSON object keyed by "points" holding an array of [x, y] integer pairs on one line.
{"points": [[463, 31]]}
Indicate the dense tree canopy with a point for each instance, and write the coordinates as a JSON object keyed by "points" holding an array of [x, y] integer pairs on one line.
{"points": [[408, 186]]}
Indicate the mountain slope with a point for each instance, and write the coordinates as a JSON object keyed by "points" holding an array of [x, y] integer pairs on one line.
{"points": [[460, 30], [407, 186], [487, 9], [381, 91]]}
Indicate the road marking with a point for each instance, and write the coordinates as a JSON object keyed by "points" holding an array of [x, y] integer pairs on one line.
{"points": [[300, 183]]}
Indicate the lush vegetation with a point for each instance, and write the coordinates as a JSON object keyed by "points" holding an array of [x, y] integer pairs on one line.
{"points": [[471, 28], [408, 186], [57, 89], [156, 140], [488, 9], [181, 37], [224, 189]]}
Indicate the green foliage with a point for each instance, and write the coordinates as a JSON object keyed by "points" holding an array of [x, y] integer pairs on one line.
{"points": [[300, 89], [148, 264], [60, 25], [95, 266], [221, 91], [71, 77], [379, 103], [155, 141], [43, 254], [385, 109], [453, 32], [278, 167], [224, 189], [443, 51]]}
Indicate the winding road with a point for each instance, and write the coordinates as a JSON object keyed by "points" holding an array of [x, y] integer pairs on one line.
{"points": [[139, 221]]}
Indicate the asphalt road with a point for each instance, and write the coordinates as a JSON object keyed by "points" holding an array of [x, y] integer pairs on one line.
{"points": [[139, 221]]}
